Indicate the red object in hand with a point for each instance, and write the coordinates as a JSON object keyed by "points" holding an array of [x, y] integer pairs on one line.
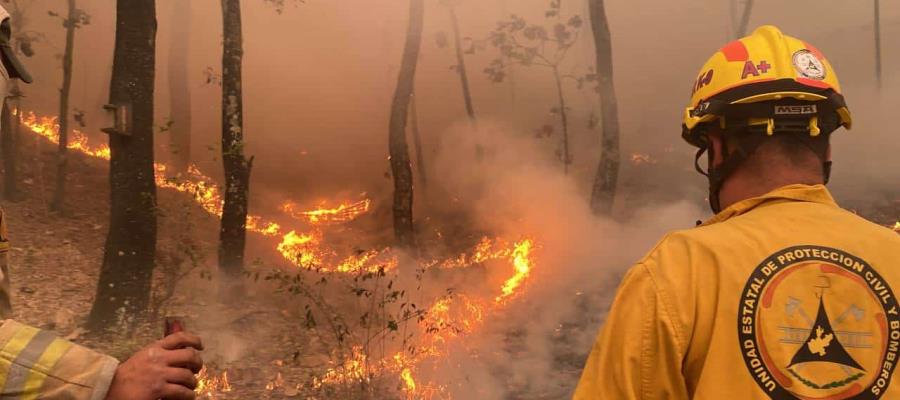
{"points": [[174, 325]]}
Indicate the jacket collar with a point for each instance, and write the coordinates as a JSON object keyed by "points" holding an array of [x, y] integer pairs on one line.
{"points": [[805, 193]]}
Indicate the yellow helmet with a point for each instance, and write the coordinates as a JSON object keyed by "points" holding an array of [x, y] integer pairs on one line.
{"points": [[765, 79]]}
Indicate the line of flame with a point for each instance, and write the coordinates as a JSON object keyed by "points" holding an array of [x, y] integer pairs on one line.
{"points": [[305, 250]]}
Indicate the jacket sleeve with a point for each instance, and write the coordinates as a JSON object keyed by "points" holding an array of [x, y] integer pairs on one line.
{"points": [[637, 355], [5, 303], [36, 364]]}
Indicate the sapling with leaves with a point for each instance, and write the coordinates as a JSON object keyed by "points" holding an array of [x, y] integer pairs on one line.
{"points": [[547, 46]]}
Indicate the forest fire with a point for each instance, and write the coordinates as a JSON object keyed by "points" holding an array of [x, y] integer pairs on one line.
{"points": [[344, 212], [448, 318], [48, 128]]}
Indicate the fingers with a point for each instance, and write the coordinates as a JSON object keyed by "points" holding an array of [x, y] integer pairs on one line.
{"points": [[177, 392], [184, 358], [181, 376], [181, 340]]}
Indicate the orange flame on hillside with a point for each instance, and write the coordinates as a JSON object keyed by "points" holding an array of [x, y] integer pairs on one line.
{"points": [[344, 212], [448, 318], [48, 128]]}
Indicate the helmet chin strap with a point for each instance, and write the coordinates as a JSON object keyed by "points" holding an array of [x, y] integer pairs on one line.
{"points": [[732, 160]]}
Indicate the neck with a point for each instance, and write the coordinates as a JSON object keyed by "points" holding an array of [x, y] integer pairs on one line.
{"points": [[743, 185]]}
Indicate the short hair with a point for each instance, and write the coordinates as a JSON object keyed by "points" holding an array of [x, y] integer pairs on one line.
{"points": [[794, 150]]}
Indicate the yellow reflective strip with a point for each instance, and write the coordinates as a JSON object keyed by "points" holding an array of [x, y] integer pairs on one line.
{"points": [[14, 346], [43, 367]]}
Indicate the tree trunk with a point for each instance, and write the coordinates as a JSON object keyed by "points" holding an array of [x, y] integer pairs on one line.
{"points": [[8, 145], [461, 68], [59, 194], [399, 150], [179, 85], [128, 260], [878, 43], [604, 190], [233, 232], [564, 118], [417, 140], [745, 20]]}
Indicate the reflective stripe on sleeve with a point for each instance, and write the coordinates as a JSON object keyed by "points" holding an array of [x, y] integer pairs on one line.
{"points": [[31, 366], [11, 350], [44, 366]]}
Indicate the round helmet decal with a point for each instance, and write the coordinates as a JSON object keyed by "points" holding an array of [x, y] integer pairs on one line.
{"points": [[808, 65]]}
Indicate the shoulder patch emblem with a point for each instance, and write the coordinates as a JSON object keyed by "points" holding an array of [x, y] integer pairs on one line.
{"points": [[819, 323]]}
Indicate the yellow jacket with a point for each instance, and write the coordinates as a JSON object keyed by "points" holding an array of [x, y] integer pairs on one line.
{"points": [[35, 364], [784, 296]]}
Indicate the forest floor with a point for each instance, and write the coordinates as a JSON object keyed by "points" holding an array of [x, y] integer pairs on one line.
{"points": [[261, 338]]}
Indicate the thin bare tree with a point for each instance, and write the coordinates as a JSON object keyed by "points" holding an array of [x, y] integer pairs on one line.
{"points": [[604, 189], [179, 85], [460, 67], [742, 23], [401, 168], [75, 18], [878, 43]]}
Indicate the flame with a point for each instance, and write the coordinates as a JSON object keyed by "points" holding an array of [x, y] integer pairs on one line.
{"points": [[324, 215], [48, 128], [448, 318], [352, 370], [897, 227], [301, 249], [409, 384], [521, 259], [209, 385], [640, 158]]}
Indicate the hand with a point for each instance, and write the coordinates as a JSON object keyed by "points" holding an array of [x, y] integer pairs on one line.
{"points": [[163, 370]]}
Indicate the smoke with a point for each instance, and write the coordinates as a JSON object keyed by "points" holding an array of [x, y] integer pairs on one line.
{"points": [[539, 342]]}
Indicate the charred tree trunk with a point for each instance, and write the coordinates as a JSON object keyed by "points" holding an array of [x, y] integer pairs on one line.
{"points": [[745, 20], [417, 140], [604, 190], [566, 156], [461, 68], [128, 260], [233, 232], [179, 85], [8, 145], [62, 162], [399, 150]]}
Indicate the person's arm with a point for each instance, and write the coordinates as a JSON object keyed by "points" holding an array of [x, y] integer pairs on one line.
{"points": [[37, 364], [637, 354]]}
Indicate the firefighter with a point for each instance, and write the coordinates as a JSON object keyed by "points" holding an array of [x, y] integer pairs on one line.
{"points": [[782, 294], [35, 364]]}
